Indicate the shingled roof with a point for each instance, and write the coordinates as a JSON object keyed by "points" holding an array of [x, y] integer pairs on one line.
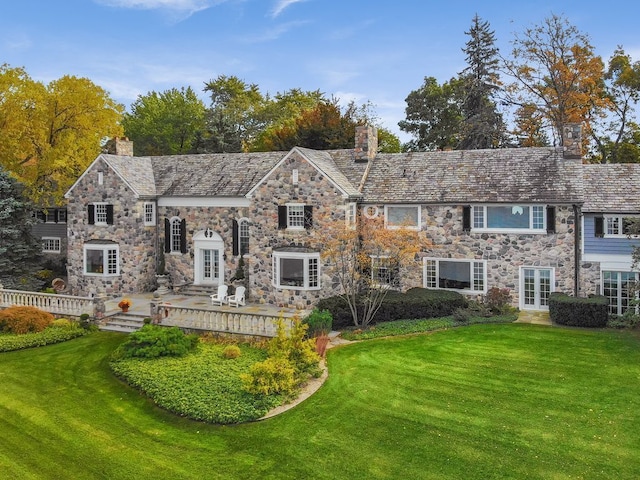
{"points": [[466, 176], [612, 188]]}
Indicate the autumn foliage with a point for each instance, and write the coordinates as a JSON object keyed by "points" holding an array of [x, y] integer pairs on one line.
{"points": [[19, 320]]}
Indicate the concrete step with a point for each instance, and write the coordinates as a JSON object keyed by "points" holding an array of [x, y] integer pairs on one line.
{"points": [[123, 323]]}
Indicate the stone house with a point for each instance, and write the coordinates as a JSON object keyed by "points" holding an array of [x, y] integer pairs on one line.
{"points": [[507, 218]]}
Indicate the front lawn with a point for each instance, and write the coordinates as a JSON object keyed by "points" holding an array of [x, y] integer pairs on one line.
{"points": [[480, 402]]}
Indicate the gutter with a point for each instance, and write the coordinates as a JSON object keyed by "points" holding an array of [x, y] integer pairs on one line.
{"points": [[577, 214]]}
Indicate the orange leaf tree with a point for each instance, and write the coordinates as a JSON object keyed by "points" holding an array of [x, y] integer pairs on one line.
{"points": [[368, 260]]}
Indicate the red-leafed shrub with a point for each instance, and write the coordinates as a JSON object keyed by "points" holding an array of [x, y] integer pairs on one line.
{"points": [[21, 320]]}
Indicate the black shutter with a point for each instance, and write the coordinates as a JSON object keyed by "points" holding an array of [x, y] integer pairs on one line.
{"points": [[109, 214], [183, 236], [282, 217], [466, 218], [236, 238], [599, 226], [551, 219], [308, 216], [91, 210], [167, 235]]}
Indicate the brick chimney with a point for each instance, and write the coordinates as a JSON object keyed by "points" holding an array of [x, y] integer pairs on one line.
{"points": [[572, 141], [366, 145], [120, 146]]}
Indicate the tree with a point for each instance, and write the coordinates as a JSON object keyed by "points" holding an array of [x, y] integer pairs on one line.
{"points": [[51, 133], [367, 262], [166, 123], [234, 116], [529, 128], [19, 250], [556, 70], [482, 124], [616, 139], [434, 115]]}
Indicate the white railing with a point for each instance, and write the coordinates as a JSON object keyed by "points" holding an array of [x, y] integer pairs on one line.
{"points": [[241, 323], [49, 302]]}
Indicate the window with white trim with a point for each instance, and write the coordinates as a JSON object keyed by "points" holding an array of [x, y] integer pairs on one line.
{"points": [[176, 235], [243, 236], [295, 269], [149, 213], [450, 274], [399, 216], [295, 216], [51, 244], [620, 290], [509, 217], [384, 272], [350, 214], [620, 226], [101, 259]]}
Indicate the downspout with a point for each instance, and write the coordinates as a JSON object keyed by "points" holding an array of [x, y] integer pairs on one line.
{"points": [[577, 214]]}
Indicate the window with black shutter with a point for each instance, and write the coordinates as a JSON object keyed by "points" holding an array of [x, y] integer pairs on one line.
{"points": [[551, 219], [282, 217], [236, 240], [308, 216], [599, 226], [466, 218]]}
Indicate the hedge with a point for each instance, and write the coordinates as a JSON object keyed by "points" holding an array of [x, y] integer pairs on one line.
{"points": [[578, 311], [413, 304]]}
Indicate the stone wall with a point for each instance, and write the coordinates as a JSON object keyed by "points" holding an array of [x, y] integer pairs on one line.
{"points": [[136, 241]]}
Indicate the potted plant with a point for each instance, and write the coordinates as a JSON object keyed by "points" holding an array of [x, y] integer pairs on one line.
{"points": [[238, 279], [124, 304]]}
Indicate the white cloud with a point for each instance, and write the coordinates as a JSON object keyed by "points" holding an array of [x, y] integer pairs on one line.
{"points": [[181, 8], [273, 33], [281, 5]]}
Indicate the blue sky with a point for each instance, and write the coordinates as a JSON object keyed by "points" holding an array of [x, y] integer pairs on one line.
{"points": [[365, 50]]}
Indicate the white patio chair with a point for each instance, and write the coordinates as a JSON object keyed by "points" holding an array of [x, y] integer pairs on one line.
{"points": [[237, 299], [220, 297]]}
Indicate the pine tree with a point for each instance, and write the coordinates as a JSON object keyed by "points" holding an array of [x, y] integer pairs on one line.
{"points": [[19, 250], [482, 124]]}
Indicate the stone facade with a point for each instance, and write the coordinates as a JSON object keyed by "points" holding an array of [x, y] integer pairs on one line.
{"points": [[135, 241]]}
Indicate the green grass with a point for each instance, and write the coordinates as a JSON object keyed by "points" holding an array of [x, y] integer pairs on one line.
{"points": [[406, 327], [481, 402]]}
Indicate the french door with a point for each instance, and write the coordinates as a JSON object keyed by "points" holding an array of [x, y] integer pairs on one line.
{"points": [[209, 266], [536, 285]]}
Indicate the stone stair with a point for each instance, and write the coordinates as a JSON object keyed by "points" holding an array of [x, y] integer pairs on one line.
{"points": [[123, 322], [197, 290]]}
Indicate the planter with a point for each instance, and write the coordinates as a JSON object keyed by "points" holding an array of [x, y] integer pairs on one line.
{"points": [[163, 284], [125, 309]]}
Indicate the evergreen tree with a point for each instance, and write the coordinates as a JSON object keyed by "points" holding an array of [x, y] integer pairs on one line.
{"points": [[482, 124], [19, 250]]}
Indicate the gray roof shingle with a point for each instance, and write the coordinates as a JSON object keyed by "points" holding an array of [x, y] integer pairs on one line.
{"points": [[612, 188]]}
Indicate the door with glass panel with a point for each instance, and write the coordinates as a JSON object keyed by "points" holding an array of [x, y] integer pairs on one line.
{"points": [[536, 285], [209, 266]]}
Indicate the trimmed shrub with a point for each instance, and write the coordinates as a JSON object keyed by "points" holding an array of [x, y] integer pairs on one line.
{"points": [[415, 303], [275, 375], [152, 341], [578, 312], [498, 300], [21, 320], [319, 322], [231, 351], [48, 336], [62, 323]]}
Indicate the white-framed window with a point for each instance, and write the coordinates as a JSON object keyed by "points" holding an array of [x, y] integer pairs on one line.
{"points": [[621, 226], [294, 176], [350, 214], [51, 244], [399, 216], [61, 215], [100, 212], [531, 218], [620, 290], [295, 269], [383, 271], [149, 213], [453, 274], [102, 259], [243, 236], [295, 216], [370, 211], [176, 235]]}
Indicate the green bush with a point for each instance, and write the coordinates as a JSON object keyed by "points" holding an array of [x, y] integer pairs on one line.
{"points": [[62, 323], [498, 300], [275, 375], [231, 351], [578, 312], [152, 341], [20, 320], [319, 322], [414, 303], [48, 336]]}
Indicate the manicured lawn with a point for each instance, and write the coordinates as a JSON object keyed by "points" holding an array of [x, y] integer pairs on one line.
{"points": [[479, 402]]}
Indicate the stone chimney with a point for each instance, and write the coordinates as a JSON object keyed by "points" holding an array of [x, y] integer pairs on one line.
{"points": [[366, 143], [572, 141], [120, 146]]}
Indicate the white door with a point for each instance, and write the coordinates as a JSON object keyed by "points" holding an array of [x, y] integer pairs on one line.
{"points": [[210, 266], [536, 285]]}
